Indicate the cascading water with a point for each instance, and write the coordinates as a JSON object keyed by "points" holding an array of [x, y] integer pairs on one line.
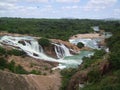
{"points": [[61, 50], [33, 49], [92, 43]]}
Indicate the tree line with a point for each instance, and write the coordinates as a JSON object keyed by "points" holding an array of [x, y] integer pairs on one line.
{"points": [[53, 28]]}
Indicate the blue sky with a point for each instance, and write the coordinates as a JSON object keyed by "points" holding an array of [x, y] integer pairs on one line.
{"points": [[92, 9]]}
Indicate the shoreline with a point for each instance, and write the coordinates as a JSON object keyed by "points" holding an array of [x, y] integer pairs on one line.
{"points": [[87, 36]]}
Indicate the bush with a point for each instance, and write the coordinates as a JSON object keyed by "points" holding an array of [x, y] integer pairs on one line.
{"points": [[80, 45], [11, 66], [93, 76], [20, 70], [66, 76], [2, 51], [16, 52], [90, 60], [3, 63], [35, 72], [44, 42], [98, 54], [115, 60]]}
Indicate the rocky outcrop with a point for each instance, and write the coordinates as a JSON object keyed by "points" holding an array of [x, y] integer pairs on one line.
{"points": [[10, 81], [50, 51]]}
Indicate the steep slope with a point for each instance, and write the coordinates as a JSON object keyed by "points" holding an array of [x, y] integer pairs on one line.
{"points": [[10, 81]]}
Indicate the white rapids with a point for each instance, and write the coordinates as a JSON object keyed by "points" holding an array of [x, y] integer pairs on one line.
{"points": [[92, 43], [61, 50], [32, 48]]}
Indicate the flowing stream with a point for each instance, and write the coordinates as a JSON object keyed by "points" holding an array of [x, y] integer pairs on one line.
{"points": [[32, 48]]}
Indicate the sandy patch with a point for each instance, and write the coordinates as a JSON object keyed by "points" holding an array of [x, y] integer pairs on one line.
{"points": [[90, 36]]}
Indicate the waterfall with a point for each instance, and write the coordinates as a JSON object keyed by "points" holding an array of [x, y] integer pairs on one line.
{"points": [[33, 49], [92, 43], [61, 50], [29, 45]]}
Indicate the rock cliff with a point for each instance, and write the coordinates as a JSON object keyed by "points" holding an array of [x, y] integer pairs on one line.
{"points": [[10, 81]]}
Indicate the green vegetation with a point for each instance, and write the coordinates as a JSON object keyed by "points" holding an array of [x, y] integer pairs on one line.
{"points": [[63, 29], [16, 52], [11, 66], [94, 76], [110, 80], [44, 42], [114, 45], [18, 69], [66, 76], [107, 82], [2, 51], [48, 28], [3, 63], [87, 61], [54, 28], [35, 72], [80, 45]]}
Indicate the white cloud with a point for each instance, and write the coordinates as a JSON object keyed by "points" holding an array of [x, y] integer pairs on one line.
{"points": [[97, 5], [10, 6], [68, 1], [39, 1], [9, 1], [6, 6], [15, 10], [70, 7], [117, 12]]}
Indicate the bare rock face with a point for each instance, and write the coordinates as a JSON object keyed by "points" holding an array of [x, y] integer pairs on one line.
{"points": [[10, 81], [50, 51]]}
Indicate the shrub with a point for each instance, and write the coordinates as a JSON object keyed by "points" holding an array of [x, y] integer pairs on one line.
{"points": [[66, 76], [93, 76], [11, 66], [35, 72], [16, 52], [20, 70], [90, 60], [2, 51], [80, 45], [3, 63], [115, 60], [44, 42]]}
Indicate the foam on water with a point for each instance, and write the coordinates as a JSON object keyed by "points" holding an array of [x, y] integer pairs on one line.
{"points": [[33, 49]]}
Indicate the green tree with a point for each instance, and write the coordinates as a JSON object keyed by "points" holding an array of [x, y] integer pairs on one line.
{"points": [[3, 63], [44, 42], [80, 45]]}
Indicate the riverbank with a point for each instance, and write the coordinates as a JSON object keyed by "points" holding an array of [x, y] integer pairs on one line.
{"points": [[87, 36]]}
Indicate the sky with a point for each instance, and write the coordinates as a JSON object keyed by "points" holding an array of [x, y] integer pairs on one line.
{"points": [[82, 9]]}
